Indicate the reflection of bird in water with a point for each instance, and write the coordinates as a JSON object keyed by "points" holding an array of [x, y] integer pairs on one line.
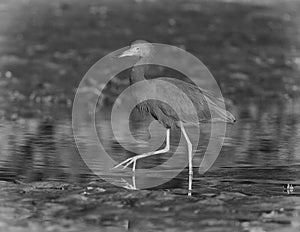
{"points": [[162, 112]]}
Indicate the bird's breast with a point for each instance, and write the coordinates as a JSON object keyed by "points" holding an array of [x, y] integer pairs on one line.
{"points": [[144, 90]]}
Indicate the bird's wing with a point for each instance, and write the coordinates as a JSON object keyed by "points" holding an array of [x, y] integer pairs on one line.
{"points": [[181, 98], [192, 103]]}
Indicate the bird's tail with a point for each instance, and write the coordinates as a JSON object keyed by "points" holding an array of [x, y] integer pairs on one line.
{"points": [[219, 113]]}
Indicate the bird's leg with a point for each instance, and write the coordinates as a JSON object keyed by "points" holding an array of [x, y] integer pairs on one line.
{"points": [[133, 160], [133, 181], [190, 156]]}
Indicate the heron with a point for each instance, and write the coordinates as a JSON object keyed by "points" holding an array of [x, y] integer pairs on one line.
{"points": [[162, 112]]}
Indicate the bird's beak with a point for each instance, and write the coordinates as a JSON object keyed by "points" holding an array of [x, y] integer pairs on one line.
{"points": [[129, 52]]}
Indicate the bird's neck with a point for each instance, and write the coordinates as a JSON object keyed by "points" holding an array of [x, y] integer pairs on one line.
{"points": [[137, 74]]}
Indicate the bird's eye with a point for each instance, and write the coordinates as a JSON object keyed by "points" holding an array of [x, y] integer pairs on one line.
{"points": [[137, 48]]}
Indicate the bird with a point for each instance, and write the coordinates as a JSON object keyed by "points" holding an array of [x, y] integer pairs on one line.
{"points": [[162, 112]]}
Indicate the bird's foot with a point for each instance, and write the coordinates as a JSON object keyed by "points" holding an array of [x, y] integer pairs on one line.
{"points": [[289, 188], [128, 185], [131, 160], [126, 163]]}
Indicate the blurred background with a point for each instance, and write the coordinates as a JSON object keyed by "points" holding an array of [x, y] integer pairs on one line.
{"points": [[252, 48]]}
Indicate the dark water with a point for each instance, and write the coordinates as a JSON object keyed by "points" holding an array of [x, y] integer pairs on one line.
{"points": [[244, 190], [251, 49]]}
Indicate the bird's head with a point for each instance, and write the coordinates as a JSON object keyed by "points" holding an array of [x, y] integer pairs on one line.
{"points": [[140, 49]]}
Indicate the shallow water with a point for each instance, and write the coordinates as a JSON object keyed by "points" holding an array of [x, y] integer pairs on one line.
{"points": [[265, 137]]}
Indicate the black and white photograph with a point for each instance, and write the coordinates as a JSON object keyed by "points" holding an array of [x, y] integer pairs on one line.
{"points": [[149, 115]]}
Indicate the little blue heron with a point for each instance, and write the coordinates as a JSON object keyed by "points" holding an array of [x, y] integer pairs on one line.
{"points": [[162, 112]]}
